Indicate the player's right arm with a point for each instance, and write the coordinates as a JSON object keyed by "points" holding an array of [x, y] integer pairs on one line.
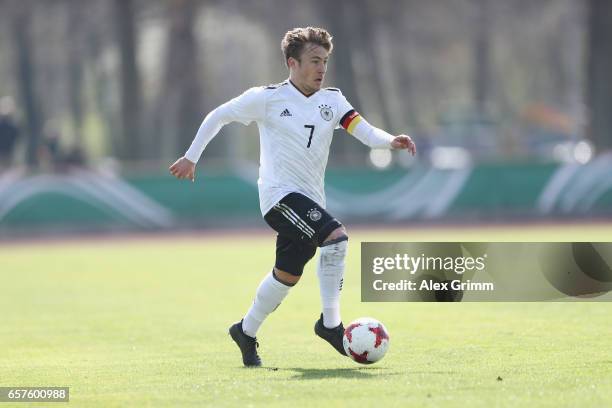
{"points": [[246, 108]]}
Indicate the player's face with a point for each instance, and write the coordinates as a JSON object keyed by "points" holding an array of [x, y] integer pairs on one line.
{"points": [[309, 72]]}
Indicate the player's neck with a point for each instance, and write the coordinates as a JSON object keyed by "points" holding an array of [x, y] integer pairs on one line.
{"points": [[299, 87]]}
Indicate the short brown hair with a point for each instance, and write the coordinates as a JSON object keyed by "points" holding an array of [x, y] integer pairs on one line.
{"points": [[294, 41]]}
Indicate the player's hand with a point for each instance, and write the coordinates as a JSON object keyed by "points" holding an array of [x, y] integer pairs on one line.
{"points": [[183, 169], [404, 142]]}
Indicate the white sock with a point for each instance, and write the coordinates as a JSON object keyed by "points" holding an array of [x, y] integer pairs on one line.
{"points": [[268, 297], [330, 270]]}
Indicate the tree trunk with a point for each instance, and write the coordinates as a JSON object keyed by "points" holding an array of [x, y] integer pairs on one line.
{"points": [[75, 60], [348, 150], [95, 43], [129, 79], [179, 102], [482, 46], [599, 67], [368, 20], [26, 78]]}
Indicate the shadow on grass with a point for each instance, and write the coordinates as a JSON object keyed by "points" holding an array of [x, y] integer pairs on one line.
{"points": [[356, 372], [320, 373]]}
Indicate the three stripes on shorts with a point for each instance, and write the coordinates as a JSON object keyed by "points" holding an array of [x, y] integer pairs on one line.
{"points": [[295, 219]]}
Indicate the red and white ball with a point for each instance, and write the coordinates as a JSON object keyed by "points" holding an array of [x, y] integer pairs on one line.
{"points": [[366, 340]]}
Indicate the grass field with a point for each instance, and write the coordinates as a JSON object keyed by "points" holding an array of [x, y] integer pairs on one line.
{"points": [[143, 322]]}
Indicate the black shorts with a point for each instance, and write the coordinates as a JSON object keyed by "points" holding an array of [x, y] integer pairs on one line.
{"points": [[302, 226]]}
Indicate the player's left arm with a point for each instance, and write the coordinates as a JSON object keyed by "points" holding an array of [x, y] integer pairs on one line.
{"points": [[401, 142], [372, 136]]}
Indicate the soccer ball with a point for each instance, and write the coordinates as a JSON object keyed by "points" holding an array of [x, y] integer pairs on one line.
{"points": [[365, 340]]}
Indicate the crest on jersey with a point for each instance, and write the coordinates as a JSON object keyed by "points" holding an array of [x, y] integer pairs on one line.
{"points": [[314, 214], [326, 112]]}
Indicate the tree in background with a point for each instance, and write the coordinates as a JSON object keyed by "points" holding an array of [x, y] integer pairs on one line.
{"points": [[25, 69], [178, 105], [599, 67], [481, 50], [75, 58], [339, 20], [132, 145], [401, 63]]}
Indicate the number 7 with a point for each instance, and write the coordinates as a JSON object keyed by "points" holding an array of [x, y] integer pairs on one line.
{"points": [[311, 127]]}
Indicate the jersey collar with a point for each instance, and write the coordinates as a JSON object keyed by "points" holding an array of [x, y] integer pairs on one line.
{"points": [[297, 90]]}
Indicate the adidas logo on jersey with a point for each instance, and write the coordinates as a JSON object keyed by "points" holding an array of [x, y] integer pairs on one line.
{"points": [[286, 113]]}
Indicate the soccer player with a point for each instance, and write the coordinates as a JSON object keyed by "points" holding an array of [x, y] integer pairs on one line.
{"points": [[296, 120]]}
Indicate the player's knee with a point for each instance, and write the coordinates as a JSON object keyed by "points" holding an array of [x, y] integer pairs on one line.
{"points": [[290, 263], [337, 235], [286, 278], [334, 248]]}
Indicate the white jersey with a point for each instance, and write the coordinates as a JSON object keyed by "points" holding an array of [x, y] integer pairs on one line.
{"points": [[295, 135]]}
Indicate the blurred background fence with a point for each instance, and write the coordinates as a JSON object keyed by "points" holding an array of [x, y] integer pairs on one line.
{"points": [[510, 103]]}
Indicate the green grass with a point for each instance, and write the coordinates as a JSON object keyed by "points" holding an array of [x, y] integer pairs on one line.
{"points": [[144, 323]]}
